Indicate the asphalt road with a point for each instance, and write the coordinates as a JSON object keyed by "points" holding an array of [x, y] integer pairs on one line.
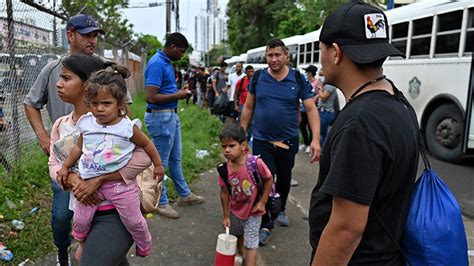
{"points": [[191, 239], [460, 179]]}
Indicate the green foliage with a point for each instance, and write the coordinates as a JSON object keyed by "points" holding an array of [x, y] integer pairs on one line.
{"points": [[250, 23], [149, 43], [119, 31], [26, 187], [222, 49], [253, 22]]}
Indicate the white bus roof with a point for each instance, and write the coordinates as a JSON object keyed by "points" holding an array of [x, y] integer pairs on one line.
{"points": [[424, 8], [233, 59], [243, 57], [256, 50], [292, 40], [309, 37]]}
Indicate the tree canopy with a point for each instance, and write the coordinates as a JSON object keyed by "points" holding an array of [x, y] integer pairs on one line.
{"points": [[253, 22], [119, 31]]}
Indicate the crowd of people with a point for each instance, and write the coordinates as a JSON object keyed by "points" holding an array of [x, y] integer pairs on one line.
{"points": [[368, 159]]}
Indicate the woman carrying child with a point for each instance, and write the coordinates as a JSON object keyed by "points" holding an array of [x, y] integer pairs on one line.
{"points": [[108, 241]]}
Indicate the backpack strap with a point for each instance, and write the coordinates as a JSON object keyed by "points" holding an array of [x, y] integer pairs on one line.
{"points": [[300, 82], [255, 77], [392, 237], [222, 170], [253, 173]]}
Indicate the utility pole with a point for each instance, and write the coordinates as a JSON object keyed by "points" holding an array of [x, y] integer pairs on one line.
{"points": [[168, 17], [55, 30], [178, 28]]}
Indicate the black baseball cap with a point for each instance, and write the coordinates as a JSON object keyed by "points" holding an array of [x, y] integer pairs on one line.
{"points": [[361, 31], [311, 69], [83, 24]]}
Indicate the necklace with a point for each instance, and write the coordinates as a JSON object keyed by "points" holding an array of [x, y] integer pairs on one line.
{"points": [[365, 85]]}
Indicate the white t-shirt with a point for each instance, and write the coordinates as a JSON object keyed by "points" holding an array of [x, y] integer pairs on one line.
{"points": [[105, 149], [233, 78]]}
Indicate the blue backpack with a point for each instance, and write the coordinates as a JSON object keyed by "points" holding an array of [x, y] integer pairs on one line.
{"points": [[434, 231]]}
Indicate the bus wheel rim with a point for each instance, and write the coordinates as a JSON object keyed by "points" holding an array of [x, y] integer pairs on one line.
{"points": [[448, 133]]}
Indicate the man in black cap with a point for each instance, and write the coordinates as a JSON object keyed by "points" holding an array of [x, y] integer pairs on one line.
{"points": [[81, 32], [370, 158]]}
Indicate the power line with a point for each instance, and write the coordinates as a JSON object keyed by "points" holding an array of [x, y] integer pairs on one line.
{"points": [[154, 4]]}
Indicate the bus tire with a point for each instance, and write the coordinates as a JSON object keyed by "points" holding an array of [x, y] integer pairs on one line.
{"points": [[444, 132]]}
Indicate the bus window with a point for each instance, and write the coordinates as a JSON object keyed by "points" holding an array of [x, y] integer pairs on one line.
{"points": [[308, 53], [470, 32], [449, 32], [315, 52], [421, 39], [400, 36], [302, 54]]}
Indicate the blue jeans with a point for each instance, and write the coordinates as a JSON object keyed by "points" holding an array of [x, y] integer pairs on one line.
{"points": [[325, 117], [165, 129], [61, 217]]}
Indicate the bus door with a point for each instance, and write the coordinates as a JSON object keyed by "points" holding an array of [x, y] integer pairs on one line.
{"points": [[468, 141]]}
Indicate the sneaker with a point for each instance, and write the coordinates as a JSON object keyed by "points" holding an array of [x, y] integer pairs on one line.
{"points": [[282, 219], [190, 200], [308, 149], [62, 258], [238, 260], [167, 211], [264, 235], [302, 147], [294, 182]]}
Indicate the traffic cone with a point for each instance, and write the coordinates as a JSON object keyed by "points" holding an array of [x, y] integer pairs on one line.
{"points": [[225, 249]]}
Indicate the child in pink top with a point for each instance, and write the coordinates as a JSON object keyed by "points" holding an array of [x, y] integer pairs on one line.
{"points": [[242, 207]]}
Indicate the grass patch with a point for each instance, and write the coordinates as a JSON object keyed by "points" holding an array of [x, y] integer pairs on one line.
{"points": [[28, 185]]}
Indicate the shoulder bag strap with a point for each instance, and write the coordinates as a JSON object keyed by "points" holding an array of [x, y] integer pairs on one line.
{"points": [[424, 156]]}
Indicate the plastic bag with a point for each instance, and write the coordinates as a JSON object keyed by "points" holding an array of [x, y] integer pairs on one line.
{"points": [[434, 232], [150, 190]]}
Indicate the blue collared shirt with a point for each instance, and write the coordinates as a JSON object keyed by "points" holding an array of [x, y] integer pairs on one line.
{"points": [[160, 73], [276, 106]]}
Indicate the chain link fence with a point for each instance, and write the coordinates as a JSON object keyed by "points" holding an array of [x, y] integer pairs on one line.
{"points": [[29, 39], [32, 36]]}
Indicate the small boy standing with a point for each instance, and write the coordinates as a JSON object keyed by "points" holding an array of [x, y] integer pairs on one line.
{"points": [[242, 204]]}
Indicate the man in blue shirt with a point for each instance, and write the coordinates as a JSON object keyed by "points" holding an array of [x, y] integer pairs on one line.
{"points": [[162, 120], [274, 105]]}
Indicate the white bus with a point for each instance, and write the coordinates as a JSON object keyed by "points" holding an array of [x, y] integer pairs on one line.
{"points": [[437, 38], [257, 55]]}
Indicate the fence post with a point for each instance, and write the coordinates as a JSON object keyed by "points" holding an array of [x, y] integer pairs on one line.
{"points": [[13, 80]]}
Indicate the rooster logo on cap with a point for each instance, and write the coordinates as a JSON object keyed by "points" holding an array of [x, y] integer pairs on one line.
{"points": [[373, 28]]}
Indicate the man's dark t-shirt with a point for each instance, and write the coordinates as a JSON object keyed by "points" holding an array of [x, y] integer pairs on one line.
{"points": [[370, 157]]}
